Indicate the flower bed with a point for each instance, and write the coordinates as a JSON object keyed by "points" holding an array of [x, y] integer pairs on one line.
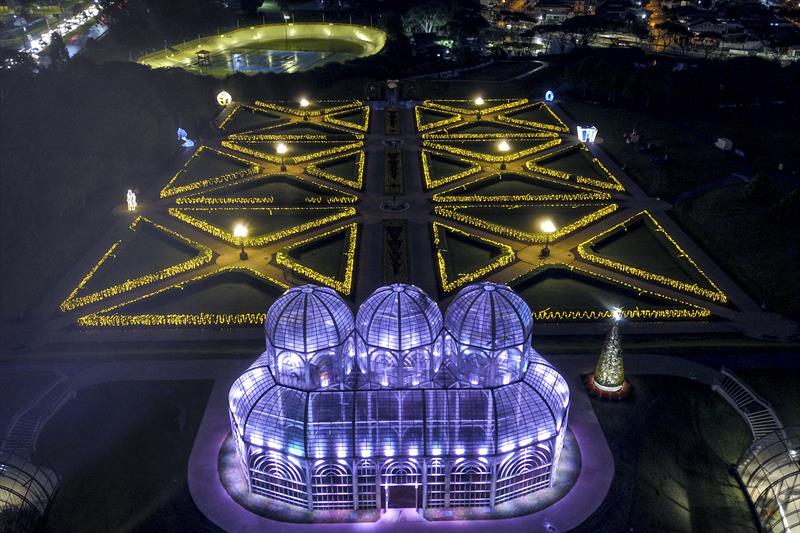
{"points": [[613, 183], [431, 182], [452, 213], [688, 311], [344, 285], [261, 240], [204, 256], [110, 317], [506, 257], [559, 125], [315, 169], [586, 253], [170, 190]]}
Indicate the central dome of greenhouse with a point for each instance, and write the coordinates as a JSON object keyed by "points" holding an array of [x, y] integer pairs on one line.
{"points": [[398, 317], [312, 430]]}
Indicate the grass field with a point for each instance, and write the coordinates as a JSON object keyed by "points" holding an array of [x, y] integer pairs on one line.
{"points": [[638, 245], [673, 444], [122, 452], [464, 255], [148, 250], [514, 184], [326, 256], [744, 237], [225, 293], [558, 289], [528, 218], [283, 189], [693, 159], [258, 222]]}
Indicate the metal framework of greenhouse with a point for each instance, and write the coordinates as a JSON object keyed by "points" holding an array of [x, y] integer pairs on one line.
{"points": [[459, 412]]}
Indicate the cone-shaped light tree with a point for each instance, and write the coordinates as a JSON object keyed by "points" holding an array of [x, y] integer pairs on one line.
{"points": [[609, 374]]}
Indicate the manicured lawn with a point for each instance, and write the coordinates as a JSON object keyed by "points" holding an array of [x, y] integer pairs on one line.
{"points": [[464, 255], [258, 221], [535, 114], [441, 166], [207, 165], [427, 116], [484, 127], [637, 245], [285, 190], [122, 452], [225, 293], [355, 117], [673, 445], [147, 250], [558, 289], [248, 118], [757, 249], [575, 162], [346, 167], [490, 147], [326, 256], [304, 129], [528, 218], [693, 158], [295, 148], [516, 184]]}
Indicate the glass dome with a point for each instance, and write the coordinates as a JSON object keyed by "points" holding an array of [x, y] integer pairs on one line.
{"points": [[488, 335], [333, 448], [399, 342], [308, 337]]}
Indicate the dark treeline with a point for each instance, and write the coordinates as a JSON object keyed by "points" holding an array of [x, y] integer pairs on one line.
{"points": [[630, 78]]}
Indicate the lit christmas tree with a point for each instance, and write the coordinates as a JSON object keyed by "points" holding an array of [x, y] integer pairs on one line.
{"points": [[608, 379]]}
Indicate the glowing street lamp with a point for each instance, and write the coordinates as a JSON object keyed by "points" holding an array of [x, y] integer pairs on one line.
{"points": [[224, 98], [304, 103], [479, 102], [282, 149], [240, 232], [503, 146], [548, 227]]}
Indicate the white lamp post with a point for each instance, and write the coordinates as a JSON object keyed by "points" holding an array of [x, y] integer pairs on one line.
{"points": [[282, 149], [548, 227], [503, 147], [304, 103], [240, 232], [479, 102]]}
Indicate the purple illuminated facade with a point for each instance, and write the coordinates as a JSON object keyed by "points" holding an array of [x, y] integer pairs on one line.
{"points": [[453, 411]]}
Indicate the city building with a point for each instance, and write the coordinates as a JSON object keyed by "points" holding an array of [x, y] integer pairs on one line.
{"points": [[400, 403]]}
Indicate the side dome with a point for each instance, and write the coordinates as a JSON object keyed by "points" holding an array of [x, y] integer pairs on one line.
{"points": [[309, 337], [489, 329], [399, 336]]}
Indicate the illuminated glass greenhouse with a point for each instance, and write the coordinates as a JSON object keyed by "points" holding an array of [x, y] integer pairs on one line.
{"points": [[770, 474], [419, 419]]}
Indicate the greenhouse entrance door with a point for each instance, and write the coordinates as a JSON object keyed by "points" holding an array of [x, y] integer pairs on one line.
{"points": [[401, 482], [402, 496]]}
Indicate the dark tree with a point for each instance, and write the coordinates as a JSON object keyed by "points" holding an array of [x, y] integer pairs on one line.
{"points": [[57, 51], [250, 6]]}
